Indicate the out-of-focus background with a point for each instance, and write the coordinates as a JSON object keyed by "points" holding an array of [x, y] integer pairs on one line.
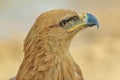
{"points": [[96, 51]]}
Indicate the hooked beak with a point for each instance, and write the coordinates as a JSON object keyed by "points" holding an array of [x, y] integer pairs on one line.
{"points": [[86, 20], [91, 20]]}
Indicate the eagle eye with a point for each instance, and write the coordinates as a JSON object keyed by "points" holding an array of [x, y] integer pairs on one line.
{"points": [[63, 23]]}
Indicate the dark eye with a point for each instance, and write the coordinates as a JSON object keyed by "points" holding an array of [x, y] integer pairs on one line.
{"points": [[63, 22]]}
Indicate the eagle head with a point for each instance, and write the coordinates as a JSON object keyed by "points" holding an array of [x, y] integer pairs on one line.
{"points": [[46, 46], [62, 24]]}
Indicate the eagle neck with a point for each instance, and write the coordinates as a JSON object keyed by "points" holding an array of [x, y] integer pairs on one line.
{"points": [[48, 59]]}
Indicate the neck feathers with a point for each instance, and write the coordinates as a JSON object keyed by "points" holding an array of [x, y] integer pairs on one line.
{"points": [[47, 60]]}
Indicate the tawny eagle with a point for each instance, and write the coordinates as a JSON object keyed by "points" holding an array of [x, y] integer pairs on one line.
{"points": [[46, 46]]}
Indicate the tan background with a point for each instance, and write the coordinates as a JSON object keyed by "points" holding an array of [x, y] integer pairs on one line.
{"points": [[96, 51]]}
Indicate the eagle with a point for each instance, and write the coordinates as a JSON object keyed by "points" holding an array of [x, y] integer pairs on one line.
{"points": [[46, 47]]}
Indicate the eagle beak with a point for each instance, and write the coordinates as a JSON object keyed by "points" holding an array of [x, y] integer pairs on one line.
{"points": [[91, 20], [86, 20]]}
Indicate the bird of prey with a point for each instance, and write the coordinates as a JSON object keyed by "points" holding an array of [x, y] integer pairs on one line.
{"points": [[46, 47]]}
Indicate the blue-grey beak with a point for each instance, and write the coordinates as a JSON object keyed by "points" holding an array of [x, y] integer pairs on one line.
{"points": [[85, 20], [91, 20]]}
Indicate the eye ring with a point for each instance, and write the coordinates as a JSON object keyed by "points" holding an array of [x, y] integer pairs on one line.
{"points": [[63, 22]]}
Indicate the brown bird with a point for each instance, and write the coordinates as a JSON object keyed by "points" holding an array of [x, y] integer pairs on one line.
{"points": [[46, 47]]}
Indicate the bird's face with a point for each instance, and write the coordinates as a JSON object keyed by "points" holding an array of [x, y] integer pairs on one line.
{"points": [[64, 24], [78, 22], [57, 28]]}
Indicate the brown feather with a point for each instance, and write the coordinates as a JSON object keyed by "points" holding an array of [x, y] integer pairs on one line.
{"points": [[46, 50]]}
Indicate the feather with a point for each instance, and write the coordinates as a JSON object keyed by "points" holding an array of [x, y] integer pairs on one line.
{"points": [[46, 47]]}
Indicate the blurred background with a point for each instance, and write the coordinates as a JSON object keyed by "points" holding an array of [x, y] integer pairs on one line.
{"points": [[96, 51]]}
